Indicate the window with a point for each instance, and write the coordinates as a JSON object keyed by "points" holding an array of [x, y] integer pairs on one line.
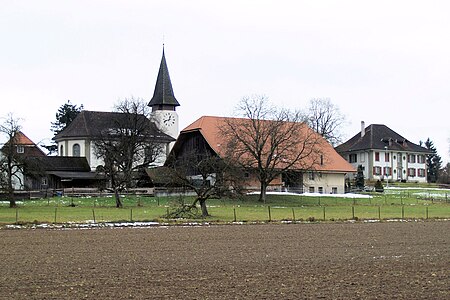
{"points": [[20, 149], [411, 172], [76, 150], [387, 171], [421, 172], [320, 190], [386, 157], [421, 159], [334, 190], [411, 158], [44, 181], [376, 170], [61, 152], [311, 175], [311, 189], [352, 158], [377, 156]]}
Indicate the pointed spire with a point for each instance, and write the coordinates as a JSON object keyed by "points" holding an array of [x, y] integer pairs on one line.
{"points": [[163, 94]]}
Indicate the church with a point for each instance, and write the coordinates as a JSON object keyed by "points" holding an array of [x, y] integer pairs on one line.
{"points": [[78, 139]]}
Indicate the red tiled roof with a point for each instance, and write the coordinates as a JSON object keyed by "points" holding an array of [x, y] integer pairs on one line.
{"points": [[22, 139], [209, 127]]}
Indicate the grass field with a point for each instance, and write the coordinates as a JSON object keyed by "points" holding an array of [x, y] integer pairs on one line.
{"points": [[395, 203]]}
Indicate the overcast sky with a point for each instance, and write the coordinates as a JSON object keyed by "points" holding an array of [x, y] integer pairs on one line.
{"points": [[384, 62]]}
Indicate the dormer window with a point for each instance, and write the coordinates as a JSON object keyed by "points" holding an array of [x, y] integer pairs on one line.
{"points": [[20, 149]]}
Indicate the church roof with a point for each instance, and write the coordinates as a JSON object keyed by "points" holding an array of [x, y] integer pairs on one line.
{"points": [[378, 136], [92, 124], [209, 128], [163, 94]]}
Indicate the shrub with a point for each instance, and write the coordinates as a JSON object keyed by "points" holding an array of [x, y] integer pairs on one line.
{"points": [[379, 186]]}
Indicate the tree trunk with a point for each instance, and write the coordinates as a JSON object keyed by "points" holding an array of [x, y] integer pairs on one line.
{"points": [[203, 207], [118, 201], [262, 194], [12, 203]]}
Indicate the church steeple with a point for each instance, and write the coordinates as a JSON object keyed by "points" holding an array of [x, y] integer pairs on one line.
{"points": [[163, 97]]}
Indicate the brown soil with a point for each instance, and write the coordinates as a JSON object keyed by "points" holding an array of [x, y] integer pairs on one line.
{"points": [[408, 260]]}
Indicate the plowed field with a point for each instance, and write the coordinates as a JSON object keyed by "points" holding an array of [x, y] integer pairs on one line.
{"points": [[401, 260]]}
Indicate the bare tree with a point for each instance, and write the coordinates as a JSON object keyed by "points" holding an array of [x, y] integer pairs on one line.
{"points": [[128, 144], [269, 141], [204, 173], [326, 119], [12, 164]]}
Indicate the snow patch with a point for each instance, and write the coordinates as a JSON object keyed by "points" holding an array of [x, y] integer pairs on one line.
{"points": [[349, 195]]}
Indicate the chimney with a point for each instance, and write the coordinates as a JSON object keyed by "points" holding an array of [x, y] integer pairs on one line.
{"points": [[363, 128]]}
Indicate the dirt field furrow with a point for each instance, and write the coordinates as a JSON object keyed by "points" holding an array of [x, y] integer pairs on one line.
{"points": [[402, 260]]}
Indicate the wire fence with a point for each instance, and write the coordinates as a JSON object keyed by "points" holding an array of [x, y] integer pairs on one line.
{"points": [[67, 214]]}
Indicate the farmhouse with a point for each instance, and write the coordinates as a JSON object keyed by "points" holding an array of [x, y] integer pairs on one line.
{"points": [[385, 154], [37, 171], [325, 175]]}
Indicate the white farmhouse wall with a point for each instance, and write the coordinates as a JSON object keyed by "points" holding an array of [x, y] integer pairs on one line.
{"points": [[398, 164], [327, 183]]}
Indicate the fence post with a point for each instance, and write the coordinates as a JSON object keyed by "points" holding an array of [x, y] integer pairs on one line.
{"points": [[379, 212], [293, 214], [93, 214], [324, 218], [270, 215], [353, 212], [234, 212], [55, 214], [426, 212]]}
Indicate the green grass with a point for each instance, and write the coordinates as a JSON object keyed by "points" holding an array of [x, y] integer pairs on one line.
{"points": [[393, 204]]}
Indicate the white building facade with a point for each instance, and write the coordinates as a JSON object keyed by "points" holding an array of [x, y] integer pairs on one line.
{"points": [[385, 155]]}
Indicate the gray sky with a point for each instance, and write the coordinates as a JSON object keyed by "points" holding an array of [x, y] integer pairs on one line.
{"points": [[384, 62]]}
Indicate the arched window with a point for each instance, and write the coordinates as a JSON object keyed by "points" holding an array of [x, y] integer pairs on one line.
{"points": [[61, 150], [76, 150]]}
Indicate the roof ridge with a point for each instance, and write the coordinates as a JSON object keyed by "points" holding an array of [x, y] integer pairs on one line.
{"points": [[85, 124]]}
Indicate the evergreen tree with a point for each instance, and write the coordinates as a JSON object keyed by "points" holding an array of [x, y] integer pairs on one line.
{"points": [[434, 162], [360, 178], [64, 116]]}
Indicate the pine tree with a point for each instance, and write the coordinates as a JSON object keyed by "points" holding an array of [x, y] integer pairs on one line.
{"points": [[434, 162], [360, 178], [64, 116]]}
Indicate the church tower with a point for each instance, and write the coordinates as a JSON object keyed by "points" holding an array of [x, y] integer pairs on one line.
{"points": [[164, 103]]}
